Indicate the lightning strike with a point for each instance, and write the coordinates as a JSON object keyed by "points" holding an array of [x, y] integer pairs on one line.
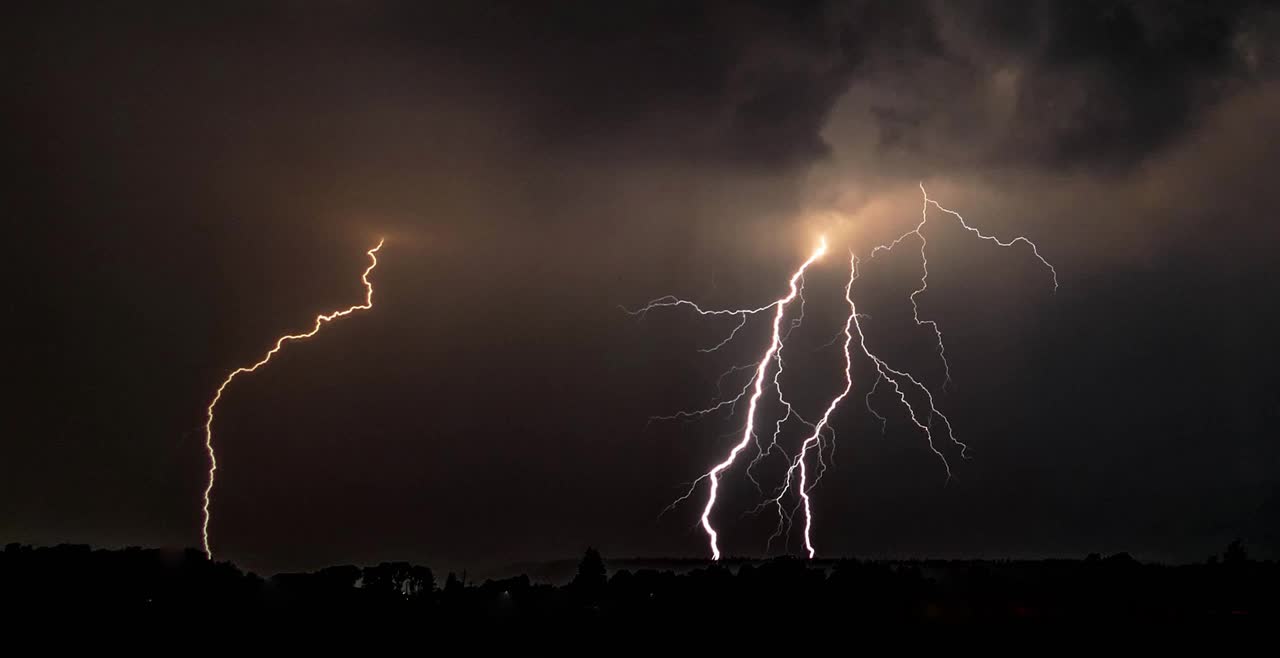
{"points": [[814, 439], [757, 382], [916, 398], [320, 321]]}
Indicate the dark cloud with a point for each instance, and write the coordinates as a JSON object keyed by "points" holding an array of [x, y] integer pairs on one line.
{"points": [[736, 84], [1112, 83], [1061, 85]]}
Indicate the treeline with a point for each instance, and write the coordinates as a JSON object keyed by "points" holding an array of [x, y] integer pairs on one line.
{"points": [[78, 577]]}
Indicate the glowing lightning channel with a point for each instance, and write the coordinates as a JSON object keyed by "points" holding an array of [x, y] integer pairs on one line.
{"points": [[762, 452], [321, 320], [761, 370], [917, 399], [883, 372], [918, 232], [816, 438], [991, 238]]}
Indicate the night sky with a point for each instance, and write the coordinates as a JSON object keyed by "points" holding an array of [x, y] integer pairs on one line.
{"points": [[182, 185]]}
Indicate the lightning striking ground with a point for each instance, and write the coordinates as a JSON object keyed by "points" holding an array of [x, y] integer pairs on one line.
{"points": [[814, 439], [916, 398], [320, 321], [748, 432]]}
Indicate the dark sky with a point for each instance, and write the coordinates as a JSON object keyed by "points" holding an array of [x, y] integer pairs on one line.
{"points": [[184, 184]]}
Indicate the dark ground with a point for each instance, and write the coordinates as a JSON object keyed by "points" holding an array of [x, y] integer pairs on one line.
{"points": [[71, 578]]}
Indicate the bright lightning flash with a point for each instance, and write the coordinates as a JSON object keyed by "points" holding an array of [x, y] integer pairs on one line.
{"points": [[916, 398], [320, 321]]}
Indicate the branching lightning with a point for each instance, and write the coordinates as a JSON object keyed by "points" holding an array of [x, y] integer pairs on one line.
{"points": [[814, 439], [918, 232], [756, 385], [775, 345], [320, 321], [916, 398]]}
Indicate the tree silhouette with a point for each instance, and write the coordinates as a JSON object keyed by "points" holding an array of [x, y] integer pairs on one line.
{"points": [[1235, 555], [589, 583], [78, 578], [452, 585], [398, 580]]}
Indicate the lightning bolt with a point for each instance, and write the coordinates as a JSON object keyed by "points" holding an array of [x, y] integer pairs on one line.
{"points": [[916, 398], [814, 439], [756, 384], [320, 321]]}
